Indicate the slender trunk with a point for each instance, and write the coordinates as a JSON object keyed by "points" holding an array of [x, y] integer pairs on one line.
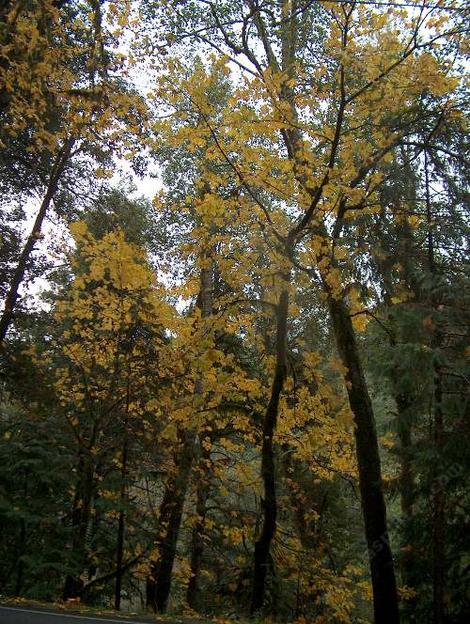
{"points": [[119, 557], [23, 261], [171, 509], [404, 400], [407, 486], [121, 521], [438, 500], [80, 518], [197, 538], [163, 522], [268, 470], [22, 543], [21, 566], [368, 460]]}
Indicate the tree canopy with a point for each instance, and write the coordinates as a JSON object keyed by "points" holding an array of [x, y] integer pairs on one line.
{"points": [[247, 394]]}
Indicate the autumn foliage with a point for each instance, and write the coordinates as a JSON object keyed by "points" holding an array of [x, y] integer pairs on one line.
{"points": [[244, 395]]}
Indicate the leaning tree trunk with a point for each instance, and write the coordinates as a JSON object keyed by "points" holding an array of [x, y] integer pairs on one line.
{"points": [[171, 513], [171, 510], [368, 460], [24, 259], [268, 470], [163, 521]]}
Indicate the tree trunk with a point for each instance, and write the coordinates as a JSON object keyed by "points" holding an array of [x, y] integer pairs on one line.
{"points": [[368, 460], [163, 522], [171, 512], [197, 538], [171, 509], [20, 270], [438, 519], [268, 470], [80, 518], [407, 485], [121, 521], [20, 565], [119, 557], [438, 498]]}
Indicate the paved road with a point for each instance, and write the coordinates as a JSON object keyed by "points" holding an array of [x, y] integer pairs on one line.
{"points": [[16, 615]]}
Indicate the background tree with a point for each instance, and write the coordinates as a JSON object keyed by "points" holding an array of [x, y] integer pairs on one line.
{"points": [[216, 392]]}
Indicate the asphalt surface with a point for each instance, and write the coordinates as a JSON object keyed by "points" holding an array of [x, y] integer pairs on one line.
{"points": [[25, 615]]}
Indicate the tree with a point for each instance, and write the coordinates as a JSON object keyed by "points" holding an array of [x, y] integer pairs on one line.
{"points": [[417, 291], [222, 388], [113, 326], [58, 91], [316, 115]]}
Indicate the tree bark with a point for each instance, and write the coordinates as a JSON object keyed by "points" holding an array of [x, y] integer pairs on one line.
{"points": [[20, 270], [122, 519], [268, 470], [20, 564], [171, 509], [368, 460], [438, 500], [163, 521], [407, 485], [171, 512], [80, 518], [197, 538]]}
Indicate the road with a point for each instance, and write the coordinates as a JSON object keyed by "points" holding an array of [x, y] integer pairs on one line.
{"points": [[20, 615]]}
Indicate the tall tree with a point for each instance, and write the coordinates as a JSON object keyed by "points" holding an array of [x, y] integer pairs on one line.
{"points": [[318, 128], [59, 92]]}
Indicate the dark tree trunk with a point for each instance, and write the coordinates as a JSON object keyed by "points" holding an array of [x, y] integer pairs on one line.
{"points": [[268, 470], [171, 512], [119, 558], [438, 501], [24, 259], [21, 566], [368, 460], [168, 546], [80, 519], [121, 521], [438, 498], [407, 486], [197, 538], [171, 509], [164, 516]]}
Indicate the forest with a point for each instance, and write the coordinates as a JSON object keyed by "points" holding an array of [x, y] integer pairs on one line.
{"points": [[234, 299]]}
